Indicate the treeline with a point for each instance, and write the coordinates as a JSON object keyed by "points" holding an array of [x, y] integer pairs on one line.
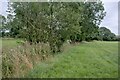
{"points": [[56, 22]]}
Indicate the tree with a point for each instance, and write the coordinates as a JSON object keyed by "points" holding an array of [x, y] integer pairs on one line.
{"points": [[106, 35], [54, 23], [118, 37], [46, 22], [93, 13], [65, 23], [2, 26]]}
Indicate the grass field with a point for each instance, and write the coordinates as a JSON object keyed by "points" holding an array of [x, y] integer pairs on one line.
{"points": [[9, 43], [84, 60]]}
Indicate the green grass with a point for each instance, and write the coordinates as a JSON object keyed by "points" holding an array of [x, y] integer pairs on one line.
{"points": [[9, 43], [86, 60]]}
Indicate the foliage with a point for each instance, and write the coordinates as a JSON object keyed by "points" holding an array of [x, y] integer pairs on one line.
{"points": [[93, 13], [54, 23], [46, 22], [2, 25], [106, 35], [118, 37]]}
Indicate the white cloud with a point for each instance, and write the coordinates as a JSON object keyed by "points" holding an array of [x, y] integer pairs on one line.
{"points": [[3, 8], [111, 19], [110, 0]]}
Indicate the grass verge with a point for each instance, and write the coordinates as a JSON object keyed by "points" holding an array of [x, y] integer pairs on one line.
{"points": [[86, 60]]}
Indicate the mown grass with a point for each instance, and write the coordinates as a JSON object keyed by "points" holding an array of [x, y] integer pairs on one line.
{"points": [[85, 60], [9, 43]]}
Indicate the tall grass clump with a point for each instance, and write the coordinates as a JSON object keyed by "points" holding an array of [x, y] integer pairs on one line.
{"points": [[17, 61]]}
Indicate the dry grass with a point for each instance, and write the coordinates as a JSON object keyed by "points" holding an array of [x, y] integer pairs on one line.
{"points": [[17, 61]]}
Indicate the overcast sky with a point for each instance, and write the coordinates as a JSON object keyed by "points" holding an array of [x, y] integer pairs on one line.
{"points": [[110, 20]]}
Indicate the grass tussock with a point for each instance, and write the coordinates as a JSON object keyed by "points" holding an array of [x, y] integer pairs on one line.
{"points": [[17, 61]]}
